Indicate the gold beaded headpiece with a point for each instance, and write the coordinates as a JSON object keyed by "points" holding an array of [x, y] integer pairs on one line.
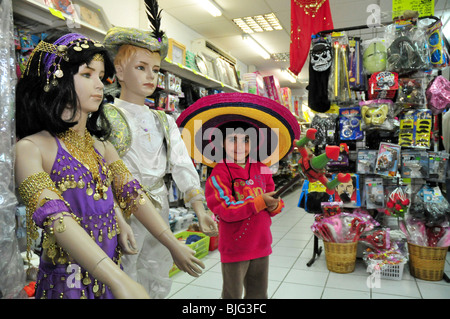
{"points": [[53, 53]]}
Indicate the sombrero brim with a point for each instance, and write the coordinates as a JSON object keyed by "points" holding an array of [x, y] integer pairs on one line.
{"points": [[277, 127]]}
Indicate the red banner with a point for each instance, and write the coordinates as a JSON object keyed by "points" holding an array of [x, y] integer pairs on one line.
{"points": [[308, 17]]}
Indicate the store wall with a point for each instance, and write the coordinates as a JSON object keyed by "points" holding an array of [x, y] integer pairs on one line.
{"points": [[121, 13], [132, 14]]}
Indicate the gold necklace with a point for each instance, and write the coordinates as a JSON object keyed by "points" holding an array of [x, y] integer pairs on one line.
{"points": [[82, 148]]}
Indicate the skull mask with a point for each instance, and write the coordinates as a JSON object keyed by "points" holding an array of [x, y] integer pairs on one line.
{"points": [[320, 57]]}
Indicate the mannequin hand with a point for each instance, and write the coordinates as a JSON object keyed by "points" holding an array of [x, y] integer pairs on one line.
{"points": [[127, 240], [271, 202], [129, 289], [207, 225], [183, 257]]}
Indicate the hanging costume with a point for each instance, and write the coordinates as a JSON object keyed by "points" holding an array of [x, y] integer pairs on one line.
{"points": [[308, 17]]}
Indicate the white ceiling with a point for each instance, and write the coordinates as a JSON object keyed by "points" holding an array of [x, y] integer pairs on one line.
{"points": [[225, 34]]}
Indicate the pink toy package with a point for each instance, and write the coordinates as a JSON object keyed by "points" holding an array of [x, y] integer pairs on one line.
{"points": [[273, 88]]}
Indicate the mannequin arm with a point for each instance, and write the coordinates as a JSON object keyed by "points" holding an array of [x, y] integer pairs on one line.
{"points": [[126, 235], [182, 255], [91, 257], [207, 225], [133, 200]]}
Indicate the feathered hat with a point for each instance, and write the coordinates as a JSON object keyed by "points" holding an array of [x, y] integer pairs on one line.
{"points": [[155, 40]]}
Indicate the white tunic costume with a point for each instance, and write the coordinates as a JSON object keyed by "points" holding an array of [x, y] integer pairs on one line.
{"points": [[148, 161]]}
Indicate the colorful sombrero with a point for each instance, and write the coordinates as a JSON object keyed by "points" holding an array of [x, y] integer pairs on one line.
{"points": [[276, 126]]}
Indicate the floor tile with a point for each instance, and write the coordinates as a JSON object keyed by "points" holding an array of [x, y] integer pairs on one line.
{"points": [[291, 278]]}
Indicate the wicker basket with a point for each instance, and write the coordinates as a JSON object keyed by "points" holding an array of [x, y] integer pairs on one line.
{"points": [[341, 257], [427, 263]]}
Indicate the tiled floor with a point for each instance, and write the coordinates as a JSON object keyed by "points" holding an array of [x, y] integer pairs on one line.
{"points": [[291, 278]]}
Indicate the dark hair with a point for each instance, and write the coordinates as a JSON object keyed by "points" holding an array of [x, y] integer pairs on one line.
{"points": [[238, 127], [38, 110]]}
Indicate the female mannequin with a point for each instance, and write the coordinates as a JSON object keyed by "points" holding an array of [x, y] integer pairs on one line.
{"points": [[70, 178]]}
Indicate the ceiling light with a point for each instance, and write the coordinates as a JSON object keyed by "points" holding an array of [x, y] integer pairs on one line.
{"points": [[259, 23], [211, 7], [256, 46], [281, 57]]}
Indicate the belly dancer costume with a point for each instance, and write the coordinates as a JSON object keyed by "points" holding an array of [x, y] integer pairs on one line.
{"points": [[86, 195]]}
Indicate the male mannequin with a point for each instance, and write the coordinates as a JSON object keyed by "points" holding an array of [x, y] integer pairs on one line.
{"points": [[153, 146]]}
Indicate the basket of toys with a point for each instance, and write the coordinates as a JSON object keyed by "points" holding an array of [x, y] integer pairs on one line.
{"points": [[427, 263], [388, 263], [428, 233], [340, 234]]}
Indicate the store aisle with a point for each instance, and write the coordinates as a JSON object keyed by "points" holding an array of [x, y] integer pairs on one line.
{"points": [[290, 278]]}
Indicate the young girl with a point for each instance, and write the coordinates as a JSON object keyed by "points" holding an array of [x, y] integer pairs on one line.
{"points": [[70, 178], [239, 192]]}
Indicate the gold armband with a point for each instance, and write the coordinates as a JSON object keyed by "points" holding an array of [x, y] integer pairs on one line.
{"points": [[32, 187], [126, 188]]}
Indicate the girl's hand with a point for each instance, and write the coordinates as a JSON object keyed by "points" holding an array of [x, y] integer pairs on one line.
{"points": [[271, 203]]}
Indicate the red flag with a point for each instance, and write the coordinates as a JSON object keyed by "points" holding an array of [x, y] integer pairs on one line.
{"points": [[308, 17]]}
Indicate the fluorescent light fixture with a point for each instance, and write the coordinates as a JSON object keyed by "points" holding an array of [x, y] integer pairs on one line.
{"points": [[211, 7], [289, 75], [259, 23], [256, 46]]}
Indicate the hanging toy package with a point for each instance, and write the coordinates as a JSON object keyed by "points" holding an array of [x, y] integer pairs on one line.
{"points": [[355, 64], [430, 206], [414, 164], [374, 193], [339, 83], [411, 92], [377, 115], [407, 47], [439, 56], [438, 94], [374, 56], [319, 73], [383, 85], [366, 161], [326, 129], [438, 163], [388, 159], [350, 123]]}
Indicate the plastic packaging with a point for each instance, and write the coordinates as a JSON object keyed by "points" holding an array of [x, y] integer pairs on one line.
{"points": [[377, 114], [12, 277], [407, 49]]}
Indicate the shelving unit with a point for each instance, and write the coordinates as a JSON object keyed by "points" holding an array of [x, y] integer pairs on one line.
{"points": [[42, 18], [190, 75]]}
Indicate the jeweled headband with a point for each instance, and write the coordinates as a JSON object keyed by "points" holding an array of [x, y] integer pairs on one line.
{"points": [[56, 52]]}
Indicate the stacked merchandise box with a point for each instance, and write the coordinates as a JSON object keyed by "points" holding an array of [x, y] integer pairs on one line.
{"points": [[273, 88], [254, 83]]}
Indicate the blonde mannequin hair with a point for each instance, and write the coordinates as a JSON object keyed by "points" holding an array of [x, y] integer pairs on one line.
{"points": [[126, 52]]}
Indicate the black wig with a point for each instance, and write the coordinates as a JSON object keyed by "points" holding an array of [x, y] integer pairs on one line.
{"points": [[38, 110]]}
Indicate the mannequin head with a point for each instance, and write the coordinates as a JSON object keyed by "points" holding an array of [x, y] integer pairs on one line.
{"points": [[52, 91], [137, 72]]}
